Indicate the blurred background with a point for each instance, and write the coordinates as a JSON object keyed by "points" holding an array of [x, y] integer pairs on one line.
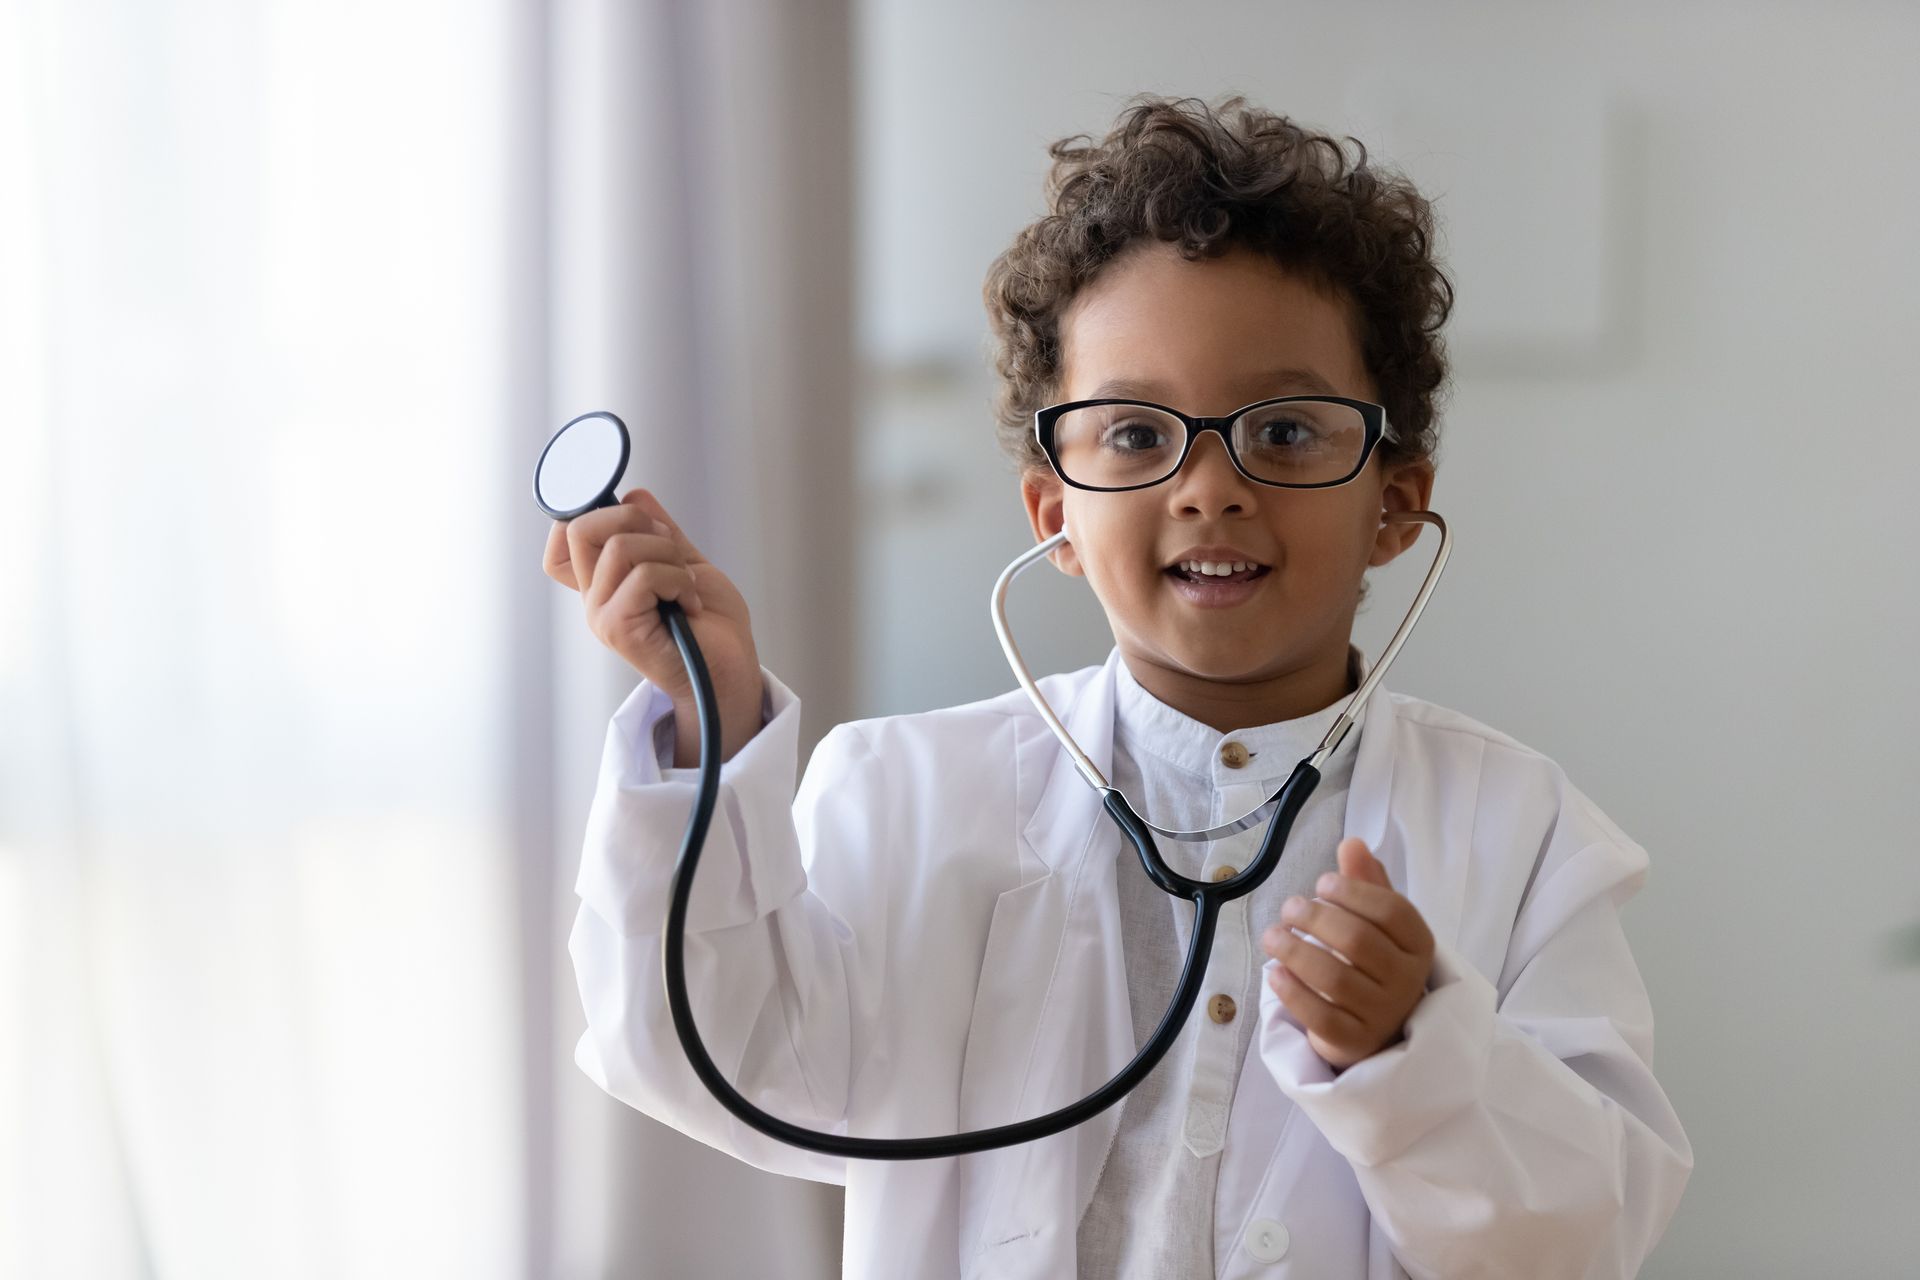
{"points": [[296, 740]]}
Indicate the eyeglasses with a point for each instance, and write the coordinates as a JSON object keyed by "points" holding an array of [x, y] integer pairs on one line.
{"points": [[1293, 442]]}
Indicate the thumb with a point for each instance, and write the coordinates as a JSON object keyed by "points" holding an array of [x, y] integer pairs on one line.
{"points": [[1358, 862]]}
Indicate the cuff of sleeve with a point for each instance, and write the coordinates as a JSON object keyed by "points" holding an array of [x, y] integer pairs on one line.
{"points": [[750, 863], [656, 720], [1378, 1107]]}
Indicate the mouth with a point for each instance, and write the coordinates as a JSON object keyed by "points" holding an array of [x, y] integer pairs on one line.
{"points": [[1213, 572], [1215, 584]]}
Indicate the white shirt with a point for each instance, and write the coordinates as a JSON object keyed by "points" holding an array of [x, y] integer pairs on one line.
{"points": [[1152, 1213]]}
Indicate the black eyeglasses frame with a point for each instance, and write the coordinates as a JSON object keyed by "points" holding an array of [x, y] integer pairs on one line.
{"points": [[1374, 416]]}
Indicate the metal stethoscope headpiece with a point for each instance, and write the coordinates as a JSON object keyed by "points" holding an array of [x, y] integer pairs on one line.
{"points": [[1336, 733]]}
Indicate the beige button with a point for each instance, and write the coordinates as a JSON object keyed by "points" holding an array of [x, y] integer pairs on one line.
{"points": [[1224, 873], [1222, 1008], [1234, 756]]}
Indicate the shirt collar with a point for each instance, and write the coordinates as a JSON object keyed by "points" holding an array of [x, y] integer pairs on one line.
{"points": [[1144, 725]]}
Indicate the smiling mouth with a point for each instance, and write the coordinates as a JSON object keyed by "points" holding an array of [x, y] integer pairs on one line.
{"points": [[1213, 572]]}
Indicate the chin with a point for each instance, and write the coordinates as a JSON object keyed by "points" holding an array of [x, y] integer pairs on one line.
{"points": [[1225, 662]]}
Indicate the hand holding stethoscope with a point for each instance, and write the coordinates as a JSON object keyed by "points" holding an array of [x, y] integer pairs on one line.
{"points": [[577, 474], [628, 557]]}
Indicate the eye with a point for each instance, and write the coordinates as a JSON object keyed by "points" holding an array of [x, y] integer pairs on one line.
{"points": [[1287, 433], [1132, 436]]}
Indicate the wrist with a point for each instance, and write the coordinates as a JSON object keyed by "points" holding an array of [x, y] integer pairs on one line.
{"points": [[742, 715]]}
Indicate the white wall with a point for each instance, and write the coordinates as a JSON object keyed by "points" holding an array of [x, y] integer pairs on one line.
{"points": [[1682, 237]]}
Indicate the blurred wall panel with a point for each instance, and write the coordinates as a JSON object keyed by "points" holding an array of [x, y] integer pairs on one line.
{"points": [[1670, 462]]}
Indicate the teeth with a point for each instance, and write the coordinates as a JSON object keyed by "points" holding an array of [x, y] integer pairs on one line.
{"points": [[1217, 568]]}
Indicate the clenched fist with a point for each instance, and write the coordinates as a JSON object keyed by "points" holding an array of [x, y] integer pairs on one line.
{"points": [[624, 560]]}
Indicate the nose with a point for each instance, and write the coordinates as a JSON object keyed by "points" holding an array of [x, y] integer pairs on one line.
{"points": [[1208, 484]]}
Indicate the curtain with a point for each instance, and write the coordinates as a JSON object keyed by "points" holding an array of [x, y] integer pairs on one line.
{"points": [[702, 248], [294, 737]]}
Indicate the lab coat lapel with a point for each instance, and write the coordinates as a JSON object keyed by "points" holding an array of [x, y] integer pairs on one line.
{"points": [[1371, 782], [1051, 1019], [1417, 812]]}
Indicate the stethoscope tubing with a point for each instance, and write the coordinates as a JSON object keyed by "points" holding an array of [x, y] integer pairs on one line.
{"points": [[1207, 900]]}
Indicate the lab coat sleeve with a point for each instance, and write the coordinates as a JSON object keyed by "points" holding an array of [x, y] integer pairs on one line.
{"points": [[769, 975], [1518, 1134]]}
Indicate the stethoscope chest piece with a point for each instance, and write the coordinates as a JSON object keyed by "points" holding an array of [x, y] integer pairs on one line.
{"points": [[582, 465]]}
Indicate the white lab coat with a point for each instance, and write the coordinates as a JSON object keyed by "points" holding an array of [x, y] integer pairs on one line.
{"points": [[926, 939]]}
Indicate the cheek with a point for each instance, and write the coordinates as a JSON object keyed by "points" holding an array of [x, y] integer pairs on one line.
{"points": [[1331, 545], [1113, 544]]}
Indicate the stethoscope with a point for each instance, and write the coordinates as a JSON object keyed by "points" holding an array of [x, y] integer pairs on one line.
{"points": [[578, 472]]}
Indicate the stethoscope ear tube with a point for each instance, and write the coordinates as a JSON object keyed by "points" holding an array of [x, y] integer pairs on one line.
{"points": [[1207, 900]]}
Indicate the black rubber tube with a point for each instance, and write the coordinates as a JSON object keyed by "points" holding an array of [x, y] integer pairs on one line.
{"points": [[1206, 898]]}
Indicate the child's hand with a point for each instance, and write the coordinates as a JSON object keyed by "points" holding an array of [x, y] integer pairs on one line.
{"points": [[1354, 1007], [624, 560]]}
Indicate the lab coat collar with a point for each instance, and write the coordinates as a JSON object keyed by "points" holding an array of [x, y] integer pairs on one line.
{"points": [[1051, 1018]]}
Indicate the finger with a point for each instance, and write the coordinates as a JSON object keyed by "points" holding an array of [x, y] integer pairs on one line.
{"points": [[653, 580], [1360, 942], [621, 553], [651, 505], [1357, 860], [557, 561], [633, 610], [1313, 1011], [588, 535], [1332, 978], [1388, 911]]}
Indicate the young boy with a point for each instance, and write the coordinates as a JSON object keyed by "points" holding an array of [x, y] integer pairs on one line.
{"points": [[941, 931]]}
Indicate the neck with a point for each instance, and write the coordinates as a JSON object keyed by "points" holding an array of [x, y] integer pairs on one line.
{"points": [[1231, 705]]}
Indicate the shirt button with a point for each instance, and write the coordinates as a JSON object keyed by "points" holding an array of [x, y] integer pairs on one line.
{"points": [[1235, 756], [1267, 1240], [1222, 1008], [1224, 872]]}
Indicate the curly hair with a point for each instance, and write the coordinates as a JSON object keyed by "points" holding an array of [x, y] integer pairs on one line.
{"points": [[1210, 179]]}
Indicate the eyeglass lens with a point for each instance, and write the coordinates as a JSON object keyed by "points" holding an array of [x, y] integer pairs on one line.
{"points": [[1112, 446]]}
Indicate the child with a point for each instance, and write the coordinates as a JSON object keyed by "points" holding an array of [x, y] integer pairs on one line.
{"points": [[942, 931]]}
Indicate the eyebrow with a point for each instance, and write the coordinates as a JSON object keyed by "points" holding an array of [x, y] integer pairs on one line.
{"points": [[1306, 381]]}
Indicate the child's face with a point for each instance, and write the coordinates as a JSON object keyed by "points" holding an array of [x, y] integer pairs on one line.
{"points": [[1207, 337]]}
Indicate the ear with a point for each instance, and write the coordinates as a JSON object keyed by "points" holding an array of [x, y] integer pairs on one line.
{"points": [[1406, 487], [1046, 500]]}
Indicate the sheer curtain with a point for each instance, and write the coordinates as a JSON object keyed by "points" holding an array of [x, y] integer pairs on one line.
{"points": [[258, 892], [290, 728], [702, 247]]}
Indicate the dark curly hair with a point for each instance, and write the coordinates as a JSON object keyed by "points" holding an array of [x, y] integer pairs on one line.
{"points": [[1209, 179]]}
